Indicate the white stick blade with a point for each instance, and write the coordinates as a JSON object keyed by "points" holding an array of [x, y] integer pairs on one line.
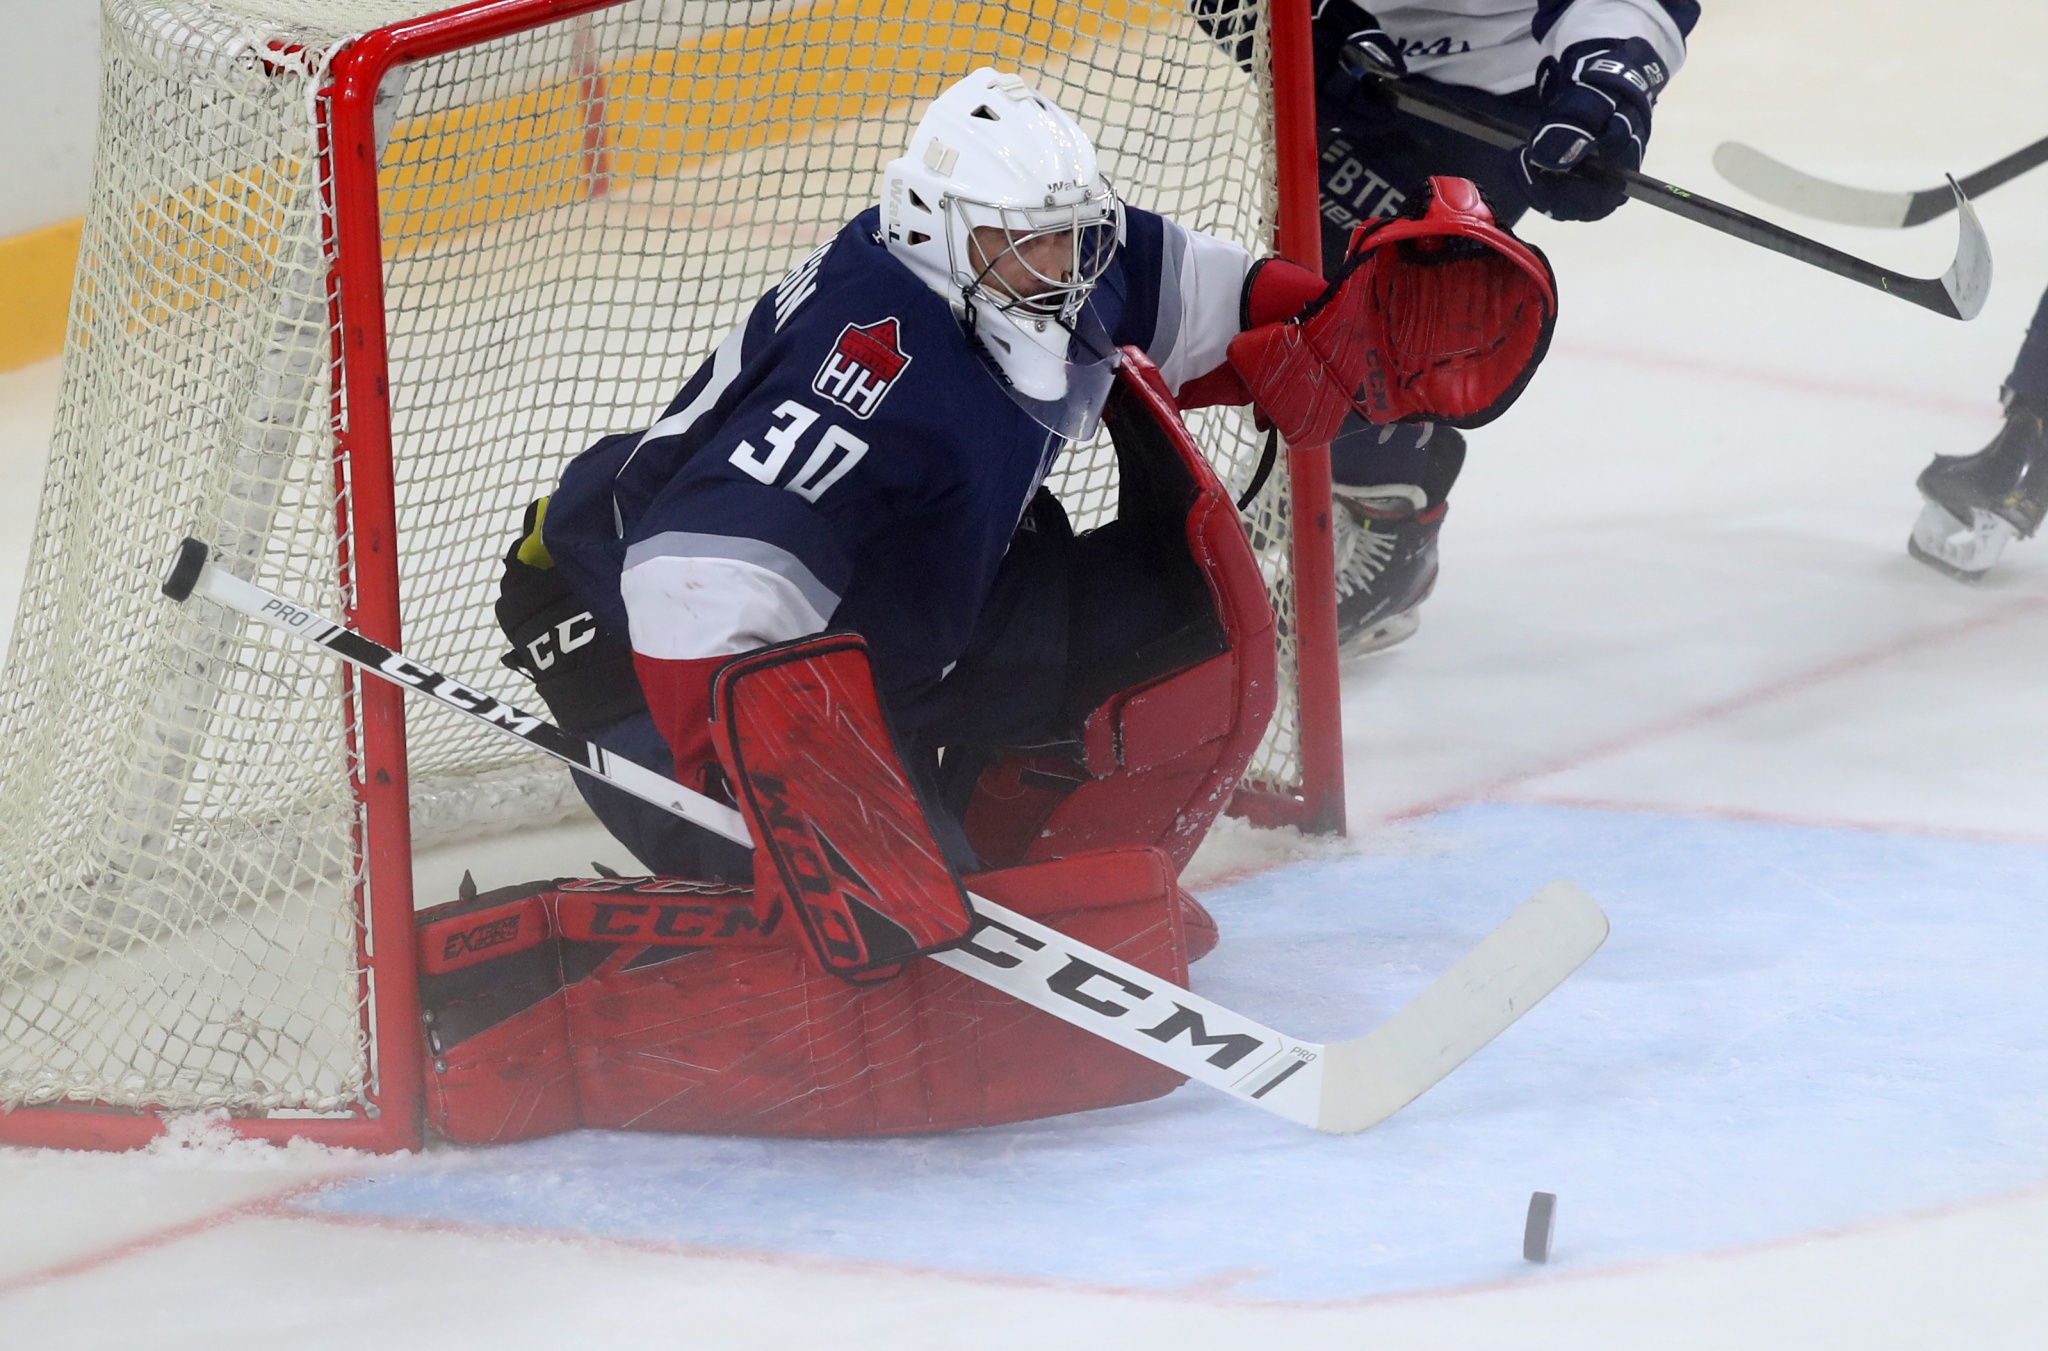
{"points": [[1968, 279], [1368, 1080], [1782, 185]]}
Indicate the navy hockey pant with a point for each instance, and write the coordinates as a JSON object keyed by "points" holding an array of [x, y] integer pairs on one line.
{"points": [[2029, 377], [1374, 158]]}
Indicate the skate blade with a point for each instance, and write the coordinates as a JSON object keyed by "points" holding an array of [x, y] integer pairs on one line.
{"points": [[1964, 552], [1381, 636]]}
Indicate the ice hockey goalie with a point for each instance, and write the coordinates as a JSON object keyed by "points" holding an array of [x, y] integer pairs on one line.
{"points": [[786, 1006], [828, 585]]}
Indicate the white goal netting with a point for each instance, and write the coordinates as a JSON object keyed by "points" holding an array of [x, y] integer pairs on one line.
{"points": [[572, 217]]}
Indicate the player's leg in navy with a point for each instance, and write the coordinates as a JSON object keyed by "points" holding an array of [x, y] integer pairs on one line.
{"points": [[1977, 504], [1391, 484]]}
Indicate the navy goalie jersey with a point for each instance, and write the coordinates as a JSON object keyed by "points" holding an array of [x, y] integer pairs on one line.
{"points": [[847, 459]]}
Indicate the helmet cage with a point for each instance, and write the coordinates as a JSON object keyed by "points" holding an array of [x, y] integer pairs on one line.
{"points": [[1055, 282]]}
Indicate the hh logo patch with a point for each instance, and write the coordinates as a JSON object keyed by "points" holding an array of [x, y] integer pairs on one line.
{"points": [[864, 363]]}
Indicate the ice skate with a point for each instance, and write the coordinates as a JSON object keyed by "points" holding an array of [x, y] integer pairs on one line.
{"points": [[1386, 559], [1977, 504], [1386, 563]]}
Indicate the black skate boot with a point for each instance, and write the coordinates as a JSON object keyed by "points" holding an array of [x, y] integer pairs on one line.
{"points": [[1977, 504], [1386, 547]]}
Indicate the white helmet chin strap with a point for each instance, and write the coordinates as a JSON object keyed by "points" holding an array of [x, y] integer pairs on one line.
{"points": [[1032, 353]]}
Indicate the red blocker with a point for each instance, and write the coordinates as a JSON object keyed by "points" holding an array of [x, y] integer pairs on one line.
{"points": [[535, 1025]]}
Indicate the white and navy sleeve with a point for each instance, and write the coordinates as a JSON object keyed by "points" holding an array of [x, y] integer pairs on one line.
{"points": [[1661, 23], [1186, 296]]}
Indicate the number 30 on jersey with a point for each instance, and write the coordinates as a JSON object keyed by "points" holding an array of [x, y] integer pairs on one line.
{"points": [[836, 453]]}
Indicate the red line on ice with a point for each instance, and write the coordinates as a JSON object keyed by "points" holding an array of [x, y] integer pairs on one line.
{"points": [[1721, 708], [1210, 1290], [261, 1207], [482, 1229]]}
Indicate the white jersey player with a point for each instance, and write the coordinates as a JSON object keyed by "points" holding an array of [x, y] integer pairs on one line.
{"points": [[1582, 76]]}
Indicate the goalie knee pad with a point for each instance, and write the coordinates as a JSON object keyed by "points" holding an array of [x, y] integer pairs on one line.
{"points": [[644, 1004], [1163, 730]]}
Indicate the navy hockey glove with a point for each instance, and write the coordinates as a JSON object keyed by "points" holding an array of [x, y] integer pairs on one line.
{"points": [[1596, 101], [1364, 47]]}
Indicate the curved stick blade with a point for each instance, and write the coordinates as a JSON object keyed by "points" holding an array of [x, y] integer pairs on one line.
{"points": [[1968, 279], [1782, 185], [1367, 1080]]}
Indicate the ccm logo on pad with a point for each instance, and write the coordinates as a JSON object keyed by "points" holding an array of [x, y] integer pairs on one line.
{"points": [[864, 364]]}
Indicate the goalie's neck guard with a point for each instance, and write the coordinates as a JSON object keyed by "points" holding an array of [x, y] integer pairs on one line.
{"points": [[999, 206]]}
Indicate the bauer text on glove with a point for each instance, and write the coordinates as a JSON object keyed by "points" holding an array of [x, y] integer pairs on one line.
{"points": [[1596, 97]]}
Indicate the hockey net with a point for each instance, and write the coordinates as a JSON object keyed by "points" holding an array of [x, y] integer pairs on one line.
{"points": [[573, 207]]}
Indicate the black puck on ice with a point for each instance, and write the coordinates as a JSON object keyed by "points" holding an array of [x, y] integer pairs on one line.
{"points": [[1542, 1221]]}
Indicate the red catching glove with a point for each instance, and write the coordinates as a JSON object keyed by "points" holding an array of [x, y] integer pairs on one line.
{"points": [[1436, 315]]}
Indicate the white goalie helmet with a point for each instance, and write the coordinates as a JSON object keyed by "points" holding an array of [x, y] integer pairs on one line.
{"points": [[999, 206]]}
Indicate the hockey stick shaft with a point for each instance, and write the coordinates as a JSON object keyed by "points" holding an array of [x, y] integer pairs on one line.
{"points": [[1795, 190], [249, 599], [1958, 294], [1039, 965], [1341, 1088], [1990, 176]]}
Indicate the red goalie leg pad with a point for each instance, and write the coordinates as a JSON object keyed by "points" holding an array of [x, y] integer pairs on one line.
{"points": [[494, 970], [838, 829], [492, 1010], [1437, 314], [1199, 926], [662, 912], [726, 1042], [1159, 759]]}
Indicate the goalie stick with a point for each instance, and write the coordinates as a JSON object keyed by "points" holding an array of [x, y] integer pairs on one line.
{"points": [[1958, 293], [1782, 185], [1339, 1087]]}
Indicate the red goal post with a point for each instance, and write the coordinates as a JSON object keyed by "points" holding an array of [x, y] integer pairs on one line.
{"points": [[300, 348]]}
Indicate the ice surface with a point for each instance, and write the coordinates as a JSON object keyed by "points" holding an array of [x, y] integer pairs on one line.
{"points": [[1677, 655], [1790, 1029]]}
